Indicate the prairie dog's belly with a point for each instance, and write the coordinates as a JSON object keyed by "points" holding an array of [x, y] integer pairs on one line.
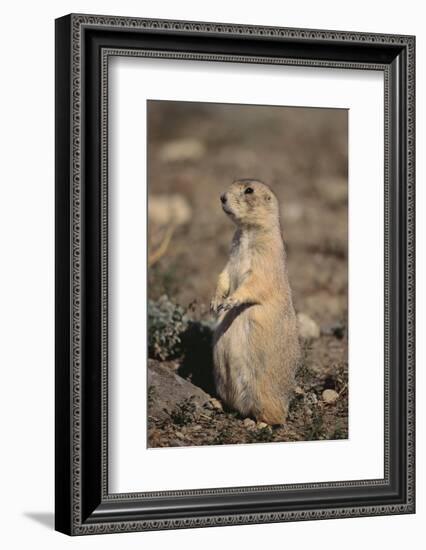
{"points": [[239, 265], [251, 370], [235, 371]]}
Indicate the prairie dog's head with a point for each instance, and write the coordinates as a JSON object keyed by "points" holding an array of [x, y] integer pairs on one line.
{"points": [[250, 203]]}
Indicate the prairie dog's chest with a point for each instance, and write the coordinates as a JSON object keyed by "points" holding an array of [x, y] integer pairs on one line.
{"points": [[240, 260]]}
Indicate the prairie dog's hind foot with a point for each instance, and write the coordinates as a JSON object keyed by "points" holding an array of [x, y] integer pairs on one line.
{"points": [[274, 412], [272, 420]]}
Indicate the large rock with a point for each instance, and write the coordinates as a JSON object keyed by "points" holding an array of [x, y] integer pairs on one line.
{"points": [[166, 390], [308, 328]]}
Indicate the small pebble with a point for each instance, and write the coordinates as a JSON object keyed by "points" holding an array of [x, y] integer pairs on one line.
{"points": [[249, 423], [308, 328], [262, 425], [216, 404], [329, 396], [298, 390]]}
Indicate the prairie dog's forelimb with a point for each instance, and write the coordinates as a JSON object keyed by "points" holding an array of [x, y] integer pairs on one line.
{"points": [[251, 291], [222, 290]]}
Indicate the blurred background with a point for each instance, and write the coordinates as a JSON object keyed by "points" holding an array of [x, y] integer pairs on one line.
{"points": [[196, 150]]}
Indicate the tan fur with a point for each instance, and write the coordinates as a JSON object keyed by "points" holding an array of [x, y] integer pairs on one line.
{"points": [[256, 347]]}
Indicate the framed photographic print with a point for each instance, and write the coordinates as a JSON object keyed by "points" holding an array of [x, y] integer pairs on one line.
{"points": [[234, 274]]}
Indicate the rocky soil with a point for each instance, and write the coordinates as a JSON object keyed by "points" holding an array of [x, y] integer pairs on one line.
{"points": [[182, 413]]}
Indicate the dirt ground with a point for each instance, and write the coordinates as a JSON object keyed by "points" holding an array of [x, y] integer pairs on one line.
{"points": [[195, 151]]}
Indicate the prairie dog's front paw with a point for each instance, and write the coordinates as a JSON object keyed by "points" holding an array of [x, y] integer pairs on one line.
{"points": [[227, 304], [216, 302]]}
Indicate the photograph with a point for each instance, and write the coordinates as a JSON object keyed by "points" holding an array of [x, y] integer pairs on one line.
{"points": [[247, 274]]}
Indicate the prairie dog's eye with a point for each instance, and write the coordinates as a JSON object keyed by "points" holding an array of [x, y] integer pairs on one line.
{"points": [[248, 190]]}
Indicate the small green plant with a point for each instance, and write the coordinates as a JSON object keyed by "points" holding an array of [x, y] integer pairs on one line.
{"points": [[166, 324], [183, 413], [264, 435], [340, 432], [165, 277], [152, 394], [316, 429], [223, 437]]}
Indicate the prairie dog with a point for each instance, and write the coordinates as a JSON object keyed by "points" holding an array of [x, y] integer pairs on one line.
{"points": [[255, 345]]}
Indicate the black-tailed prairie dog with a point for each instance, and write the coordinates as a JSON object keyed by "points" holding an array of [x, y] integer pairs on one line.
{"points": [[255, 346]]}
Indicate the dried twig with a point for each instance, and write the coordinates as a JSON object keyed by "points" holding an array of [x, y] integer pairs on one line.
{"points": [[345, 387], [162, 249]]}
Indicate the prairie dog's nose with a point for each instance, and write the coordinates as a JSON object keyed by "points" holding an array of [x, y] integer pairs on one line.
{"points": [[223, 198]]}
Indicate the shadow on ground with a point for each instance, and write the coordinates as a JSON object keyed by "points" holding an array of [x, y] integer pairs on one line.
{"points": [[47, 519]]}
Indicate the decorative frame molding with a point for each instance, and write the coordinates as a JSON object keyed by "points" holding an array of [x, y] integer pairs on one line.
{"points": [[84, 44]]}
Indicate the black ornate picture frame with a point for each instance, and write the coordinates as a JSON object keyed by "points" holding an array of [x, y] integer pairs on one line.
{"points": [[84, 43]]}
